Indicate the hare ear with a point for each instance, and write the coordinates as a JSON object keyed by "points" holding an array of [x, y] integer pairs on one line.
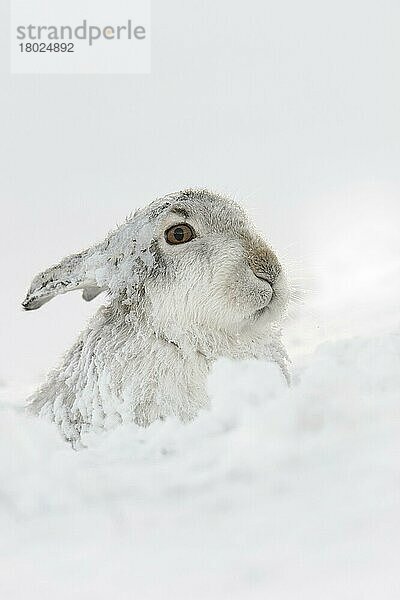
{"points": [[118, 264], [70, 274], [91, 292]]}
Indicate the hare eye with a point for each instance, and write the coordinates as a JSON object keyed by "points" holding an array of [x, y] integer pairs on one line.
{"points": [[179, 234]]}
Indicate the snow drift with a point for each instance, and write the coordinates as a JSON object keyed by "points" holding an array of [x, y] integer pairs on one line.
{"points": [[274, 493]]}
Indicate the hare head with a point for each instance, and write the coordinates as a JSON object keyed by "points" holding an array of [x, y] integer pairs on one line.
{"points": [[191, 261], [212, 273], [188, 271]]}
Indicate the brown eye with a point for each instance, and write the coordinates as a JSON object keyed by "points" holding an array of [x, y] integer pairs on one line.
{"points": [[179, 234]]}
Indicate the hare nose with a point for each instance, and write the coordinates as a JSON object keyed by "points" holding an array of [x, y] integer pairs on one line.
{"points": [[264, 277]]}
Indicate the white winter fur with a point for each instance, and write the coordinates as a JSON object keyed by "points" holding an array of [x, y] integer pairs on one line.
{"points": [[171, 311]]}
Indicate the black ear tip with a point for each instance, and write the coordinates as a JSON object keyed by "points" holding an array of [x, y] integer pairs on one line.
{"points": [[27, 305], [33, 303]]}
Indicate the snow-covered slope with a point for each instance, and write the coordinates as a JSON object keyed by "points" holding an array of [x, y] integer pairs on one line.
{"points": [[273, 494]]}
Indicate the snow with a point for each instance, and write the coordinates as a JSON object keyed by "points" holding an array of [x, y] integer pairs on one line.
{"points": [[274, 493]]}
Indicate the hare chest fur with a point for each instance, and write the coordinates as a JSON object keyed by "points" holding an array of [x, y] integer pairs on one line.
{"points": [[187, 279]]}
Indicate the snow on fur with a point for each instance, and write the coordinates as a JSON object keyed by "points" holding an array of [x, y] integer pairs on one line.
{"points": [[171, 311]]}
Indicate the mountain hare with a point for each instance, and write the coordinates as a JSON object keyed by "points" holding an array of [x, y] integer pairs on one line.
{"points": [[187, 279]]}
